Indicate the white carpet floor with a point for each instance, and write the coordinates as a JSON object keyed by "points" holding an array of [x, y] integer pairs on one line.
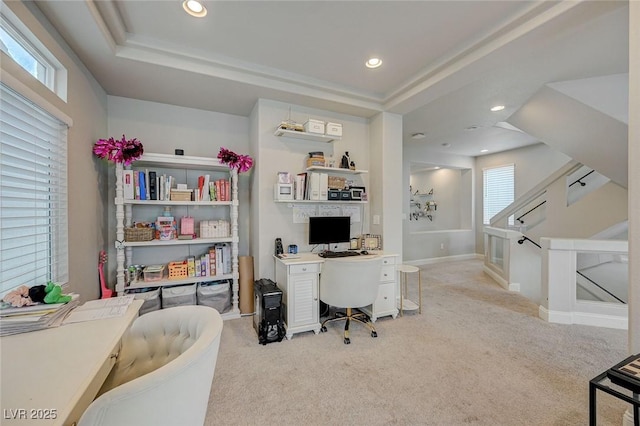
{"points": [[477, 355]]}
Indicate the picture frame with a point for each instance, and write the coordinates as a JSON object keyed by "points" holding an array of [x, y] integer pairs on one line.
{"points": [[371, 242]]}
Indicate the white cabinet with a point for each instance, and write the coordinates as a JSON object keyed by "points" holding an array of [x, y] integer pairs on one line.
{"points": [[385, 304], [299, 285], [299, 278], [186, 169]]}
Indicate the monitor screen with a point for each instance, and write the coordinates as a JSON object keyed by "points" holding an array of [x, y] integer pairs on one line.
{"points": [[329, 229]]}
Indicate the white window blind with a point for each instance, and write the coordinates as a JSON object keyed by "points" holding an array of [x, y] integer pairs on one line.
{"points": [[33, 194], [498, 191]]}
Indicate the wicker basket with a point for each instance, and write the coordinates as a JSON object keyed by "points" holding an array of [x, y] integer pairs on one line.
{"points": [[138, 234]]}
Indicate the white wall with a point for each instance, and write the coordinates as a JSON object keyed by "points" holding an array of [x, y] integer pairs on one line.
{"points": [[532, 164], [275, 154], [420, 245], [162, 128], [86, 105], [448, 185]]}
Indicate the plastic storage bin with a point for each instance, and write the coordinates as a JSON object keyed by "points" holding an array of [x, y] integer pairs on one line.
{"points": [[151, 297], [153, 273], [178, 295], [215, 294]]}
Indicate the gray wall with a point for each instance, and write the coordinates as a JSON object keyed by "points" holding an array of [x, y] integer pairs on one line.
{"points": [[162, 128], [86, 105]]}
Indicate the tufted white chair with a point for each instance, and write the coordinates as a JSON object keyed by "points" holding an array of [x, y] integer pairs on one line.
{"points": [[164, 371]]}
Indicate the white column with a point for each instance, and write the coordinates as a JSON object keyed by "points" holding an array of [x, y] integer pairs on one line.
{"points": [[634, 177]]}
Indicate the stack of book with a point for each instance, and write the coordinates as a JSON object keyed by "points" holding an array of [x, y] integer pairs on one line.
{"points": [[34, 317]]}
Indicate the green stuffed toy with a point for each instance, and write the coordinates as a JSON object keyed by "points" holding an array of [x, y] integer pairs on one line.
{"points": [[51, 293], [54, 294]]}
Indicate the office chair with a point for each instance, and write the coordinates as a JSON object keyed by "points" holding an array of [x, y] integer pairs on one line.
{"points": [[350, 283], [163, 374]]}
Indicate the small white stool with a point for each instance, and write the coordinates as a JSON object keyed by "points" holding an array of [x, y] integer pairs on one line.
{"points": [[406, 304]]}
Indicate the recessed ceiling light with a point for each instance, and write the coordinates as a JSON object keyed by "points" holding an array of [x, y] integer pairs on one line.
{"points": [[418, 136], [373, 62], [194, 8], [484, 150], [437, 167], [446, 144], [497, 108], [472, 127]]}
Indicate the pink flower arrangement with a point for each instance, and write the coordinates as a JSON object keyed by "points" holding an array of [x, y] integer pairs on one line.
{"points": [[119, 151], [235, 161]]}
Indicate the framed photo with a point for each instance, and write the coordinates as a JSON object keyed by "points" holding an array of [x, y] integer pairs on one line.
{"points": [[371, 242]]}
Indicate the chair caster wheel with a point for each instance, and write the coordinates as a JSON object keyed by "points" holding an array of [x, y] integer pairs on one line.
{"points": [[323, 329], [347, 340], [374, 334]]}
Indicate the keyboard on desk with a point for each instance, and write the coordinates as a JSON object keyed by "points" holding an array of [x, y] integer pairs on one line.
{"points": [[332, 254]]}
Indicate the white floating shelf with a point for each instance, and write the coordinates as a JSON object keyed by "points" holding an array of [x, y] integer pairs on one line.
{"points": [[305, 135], [320, 202], [336, 170], [177, 242]]}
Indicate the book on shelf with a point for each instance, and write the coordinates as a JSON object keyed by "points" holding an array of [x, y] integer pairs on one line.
{"points": [[128, 185], [153, 181], [136, 185], [301, 185], [142, 183]]}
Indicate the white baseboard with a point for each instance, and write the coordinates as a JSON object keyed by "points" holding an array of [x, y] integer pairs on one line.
{"points": [[583, 318], [432, 260]]}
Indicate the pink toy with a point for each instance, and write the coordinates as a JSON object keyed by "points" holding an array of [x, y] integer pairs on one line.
{"points": [[19, 297]]}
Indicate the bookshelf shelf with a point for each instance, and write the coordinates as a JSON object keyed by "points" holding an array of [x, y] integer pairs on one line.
{"points": [[177, 203], [177, 242], [188, 169], [190, 280]]}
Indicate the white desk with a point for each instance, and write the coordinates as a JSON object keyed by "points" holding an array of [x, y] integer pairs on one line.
{"points": [[298, 279], [56, 373]]}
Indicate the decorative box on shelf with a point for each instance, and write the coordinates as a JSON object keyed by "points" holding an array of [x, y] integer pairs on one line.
{"points": [[314, 126], [181, 194], [178, 270], [333, 129]]}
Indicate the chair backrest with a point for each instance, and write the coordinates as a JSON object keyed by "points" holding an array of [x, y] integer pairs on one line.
{"points": [[350, 283], [164, 372]]}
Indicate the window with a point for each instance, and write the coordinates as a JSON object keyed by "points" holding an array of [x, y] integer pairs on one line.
{"points": [[27, 51], [33, 194], [498, 191]]}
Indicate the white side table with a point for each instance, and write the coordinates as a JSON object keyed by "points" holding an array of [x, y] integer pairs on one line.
{"points": [[406, 304]]}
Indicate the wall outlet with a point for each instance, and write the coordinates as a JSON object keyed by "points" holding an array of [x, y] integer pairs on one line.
{"points": [[441, 246]]}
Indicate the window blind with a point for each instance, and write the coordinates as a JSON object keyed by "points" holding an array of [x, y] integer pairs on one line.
{"points": [[33, 194], [498, 191]]}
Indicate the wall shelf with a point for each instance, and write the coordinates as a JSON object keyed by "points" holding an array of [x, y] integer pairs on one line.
{"points": [[304, 135], [336, 170], [319, 202]]}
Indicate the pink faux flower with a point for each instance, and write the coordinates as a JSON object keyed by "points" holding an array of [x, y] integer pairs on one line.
{"points": [[235, 161], [119, 151]]}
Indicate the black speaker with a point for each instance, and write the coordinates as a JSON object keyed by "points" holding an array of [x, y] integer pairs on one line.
{"points": [[268, 321]]}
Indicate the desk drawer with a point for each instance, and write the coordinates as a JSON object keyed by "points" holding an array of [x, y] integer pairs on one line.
{"points": [[388, 273], [304, 268], [389, 260]]}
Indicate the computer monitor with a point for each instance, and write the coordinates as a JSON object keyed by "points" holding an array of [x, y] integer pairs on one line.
{"points": [[329, 229]]}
